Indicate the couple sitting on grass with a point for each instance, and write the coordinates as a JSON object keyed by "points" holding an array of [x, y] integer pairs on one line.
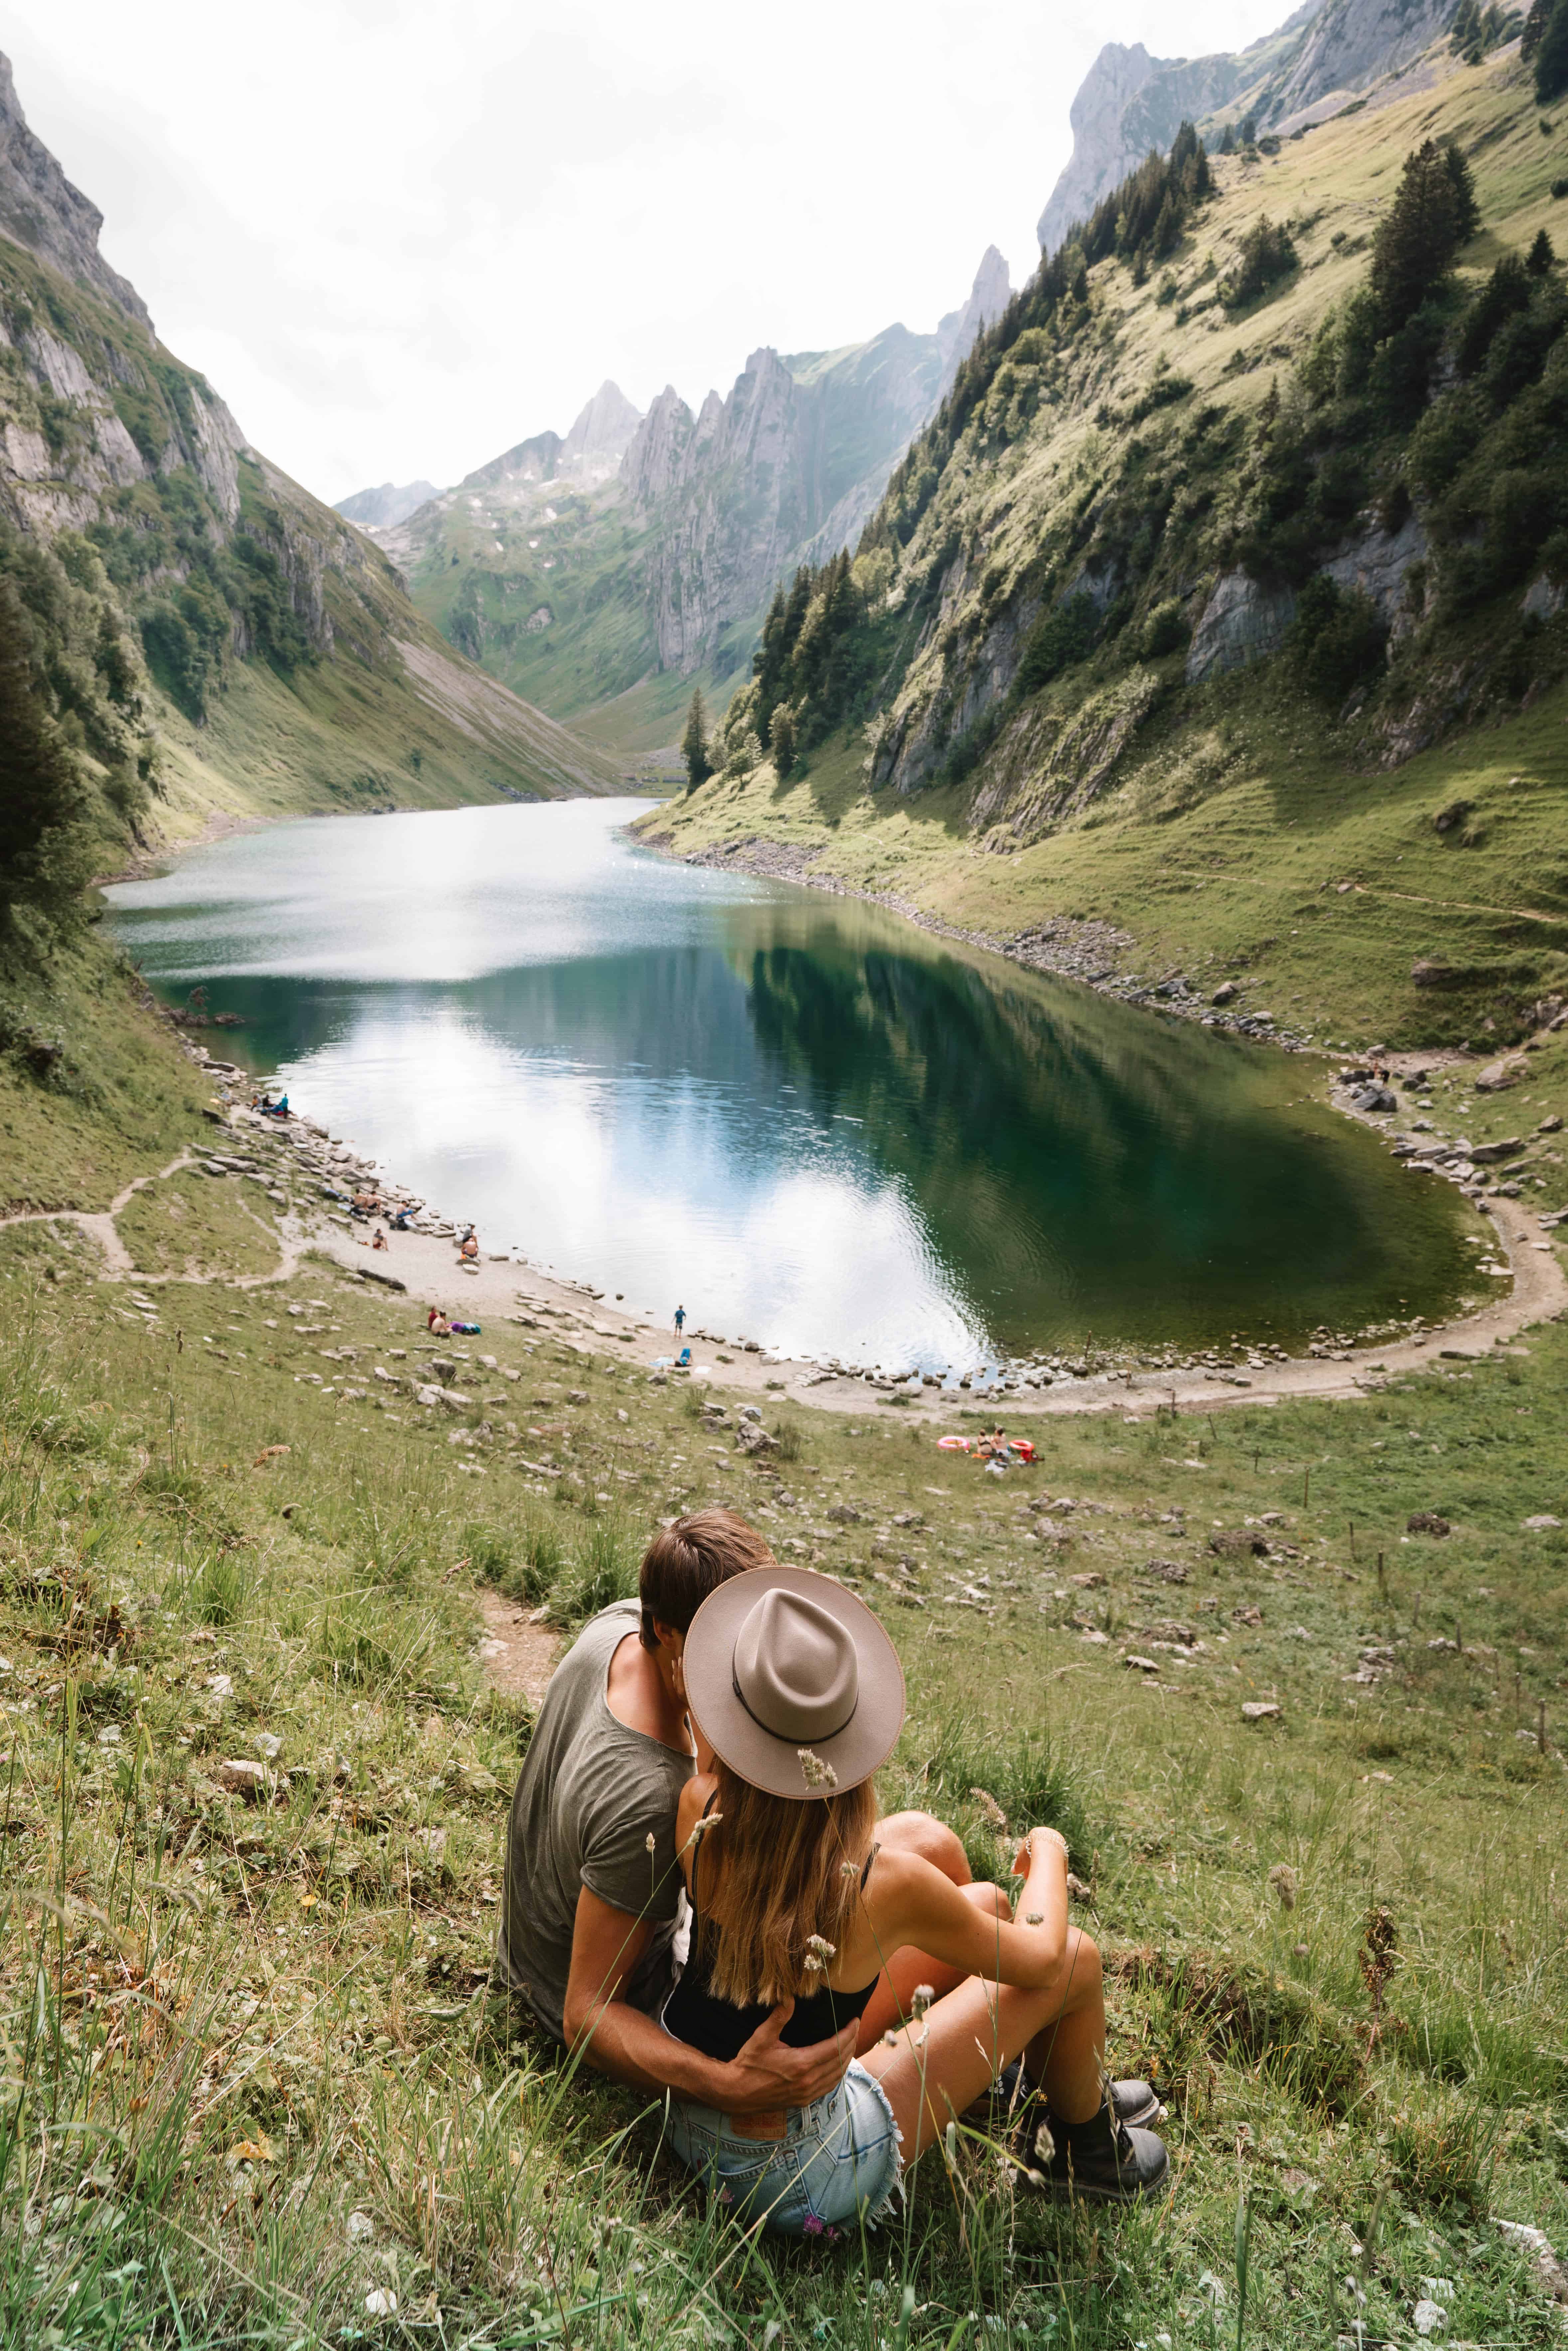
{"points": [[705, 1759]]}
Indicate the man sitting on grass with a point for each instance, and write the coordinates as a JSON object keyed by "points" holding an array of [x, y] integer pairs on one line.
{"points": [[593, 1891]]}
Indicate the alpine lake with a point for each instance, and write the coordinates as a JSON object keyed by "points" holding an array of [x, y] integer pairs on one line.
{"points": [[798, 1116]]}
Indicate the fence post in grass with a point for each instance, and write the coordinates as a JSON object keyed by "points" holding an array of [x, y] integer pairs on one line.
{"points": [[1307, 1486], [1382, 1578], [1541, 1730]]}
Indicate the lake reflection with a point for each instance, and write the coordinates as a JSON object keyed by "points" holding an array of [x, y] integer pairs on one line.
{"points": [[802, 1119]]}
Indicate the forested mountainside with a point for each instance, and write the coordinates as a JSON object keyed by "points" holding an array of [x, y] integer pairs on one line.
{"points": [[200, 635], [601, 574], [1268, 464]]}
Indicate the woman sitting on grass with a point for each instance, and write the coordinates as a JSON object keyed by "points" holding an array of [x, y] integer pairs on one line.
{"points": [[798, 1691]]}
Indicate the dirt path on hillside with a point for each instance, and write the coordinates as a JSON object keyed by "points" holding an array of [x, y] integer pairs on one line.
{"points": [[518, 1654]]}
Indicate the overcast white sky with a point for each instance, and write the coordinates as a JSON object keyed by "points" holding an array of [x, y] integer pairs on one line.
{"points": [[399, 237]]}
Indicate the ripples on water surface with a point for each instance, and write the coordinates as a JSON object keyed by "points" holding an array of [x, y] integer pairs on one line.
{"points": [[798, 1116]]}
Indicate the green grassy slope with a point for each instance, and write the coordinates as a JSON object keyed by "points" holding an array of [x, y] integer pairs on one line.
{"points": [[1214, 822], [240, 2007]]}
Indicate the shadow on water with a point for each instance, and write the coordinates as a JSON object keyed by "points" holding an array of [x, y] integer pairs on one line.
{"points": [[811, 1122]]}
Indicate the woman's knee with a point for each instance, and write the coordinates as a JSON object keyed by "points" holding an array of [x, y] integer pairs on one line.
{"points": [[1083, 1975], [933, 1840], [989, 1898]]}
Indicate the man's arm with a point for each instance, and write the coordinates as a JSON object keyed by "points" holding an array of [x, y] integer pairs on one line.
{"points": [[617, 2039]]}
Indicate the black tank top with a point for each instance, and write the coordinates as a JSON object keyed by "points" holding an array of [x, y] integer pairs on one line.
{"points": [[719, 2028]]}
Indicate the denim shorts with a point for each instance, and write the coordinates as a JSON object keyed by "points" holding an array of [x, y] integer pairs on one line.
{"points": [[837, 2163]]}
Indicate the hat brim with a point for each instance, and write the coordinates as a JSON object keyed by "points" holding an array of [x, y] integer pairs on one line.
{"points": [[759, 1755]]}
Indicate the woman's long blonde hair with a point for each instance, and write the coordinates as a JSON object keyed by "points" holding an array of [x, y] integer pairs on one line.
{"points": [[780, 1878]]}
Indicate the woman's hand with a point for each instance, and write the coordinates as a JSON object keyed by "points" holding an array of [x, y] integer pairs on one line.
{"points": [[1028, 1852]]}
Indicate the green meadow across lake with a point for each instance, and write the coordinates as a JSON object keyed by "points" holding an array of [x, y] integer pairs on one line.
{"points": [[813, 1123]]}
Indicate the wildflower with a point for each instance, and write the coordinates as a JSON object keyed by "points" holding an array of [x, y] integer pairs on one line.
{"points": [[819, 1952], [991, 1812], [924, 1996], [815, 1772], [1283, 1878], [1044, 2144], [811, 2226], [650, 1842], [1034, 1918], [848, 1869]]}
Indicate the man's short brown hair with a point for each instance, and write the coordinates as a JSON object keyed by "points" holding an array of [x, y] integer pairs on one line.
{"points": [[687, 1560]]}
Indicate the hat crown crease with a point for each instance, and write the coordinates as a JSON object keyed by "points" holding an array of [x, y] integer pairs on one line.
{"points": [[795, 1670]]}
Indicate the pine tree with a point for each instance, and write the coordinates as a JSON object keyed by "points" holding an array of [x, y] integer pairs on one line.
{"points": [[693, 744], [1417, 238], [781, 739], [1542, 259], [45, 853], [1552, 55], [1535, 26], [1467, 208]]}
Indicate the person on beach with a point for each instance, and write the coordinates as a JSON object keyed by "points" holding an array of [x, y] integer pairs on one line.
{"points": [[799, 1897], [680, 1320], [468, 1247], [380, 1239], [436, 1323], [593, 1891]]}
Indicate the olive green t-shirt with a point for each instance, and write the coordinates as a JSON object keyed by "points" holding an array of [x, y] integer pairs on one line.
{"points": [[590, 1794]]}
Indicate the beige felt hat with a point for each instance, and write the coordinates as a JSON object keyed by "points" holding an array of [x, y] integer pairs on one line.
{"points": [[793, 1681]]}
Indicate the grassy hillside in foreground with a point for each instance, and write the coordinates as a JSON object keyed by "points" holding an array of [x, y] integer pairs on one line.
{"points": [[1014, 706], [251, 2087]]}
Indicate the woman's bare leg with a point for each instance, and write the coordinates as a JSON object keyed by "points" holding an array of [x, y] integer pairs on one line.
{"points": [[893, 2001], [934, 2070]]}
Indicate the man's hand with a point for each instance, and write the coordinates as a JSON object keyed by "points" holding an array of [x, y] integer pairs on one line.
{"points": [[767, 2075]]}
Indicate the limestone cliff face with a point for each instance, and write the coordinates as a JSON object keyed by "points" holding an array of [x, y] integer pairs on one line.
{"points": [[1351, 44], [211, 556], [783, 472], [41, 209], [1129, 102]]}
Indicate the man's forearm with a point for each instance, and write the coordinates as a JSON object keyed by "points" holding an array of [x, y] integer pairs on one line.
{"points": [[620, 2040]]}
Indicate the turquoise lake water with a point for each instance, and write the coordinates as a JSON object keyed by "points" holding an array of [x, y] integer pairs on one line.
{"points": [[799, 1117]]}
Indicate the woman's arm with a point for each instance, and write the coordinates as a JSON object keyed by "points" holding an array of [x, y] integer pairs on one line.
{"points": [[910, 1902]]}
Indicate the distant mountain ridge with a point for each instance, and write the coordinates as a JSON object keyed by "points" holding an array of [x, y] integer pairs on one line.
{"points": [[639, 552], [393, 502], [1130, 102]]}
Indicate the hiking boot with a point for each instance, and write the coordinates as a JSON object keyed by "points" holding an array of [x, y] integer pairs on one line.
{"points": [[1136, 2104], [1101, 2160]]}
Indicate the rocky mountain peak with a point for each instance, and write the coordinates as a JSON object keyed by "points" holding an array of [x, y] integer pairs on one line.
{"points": [[600, 435], [40, 210], [1325, 53], [988, 297]]}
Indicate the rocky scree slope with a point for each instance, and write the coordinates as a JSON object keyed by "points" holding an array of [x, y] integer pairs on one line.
{"points": [[1325, 53], [253, 651], [638, 553]]}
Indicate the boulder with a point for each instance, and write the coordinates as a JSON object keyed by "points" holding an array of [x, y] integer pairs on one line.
{"points": [[1499, 1075], [1258, 1710], [1487, 1153], [1226, 993], [1540, 1524]]}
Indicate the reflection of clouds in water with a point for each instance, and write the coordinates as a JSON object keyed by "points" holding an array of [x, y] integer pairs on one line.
{"points": [[447, 895], [654, 1186]]}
